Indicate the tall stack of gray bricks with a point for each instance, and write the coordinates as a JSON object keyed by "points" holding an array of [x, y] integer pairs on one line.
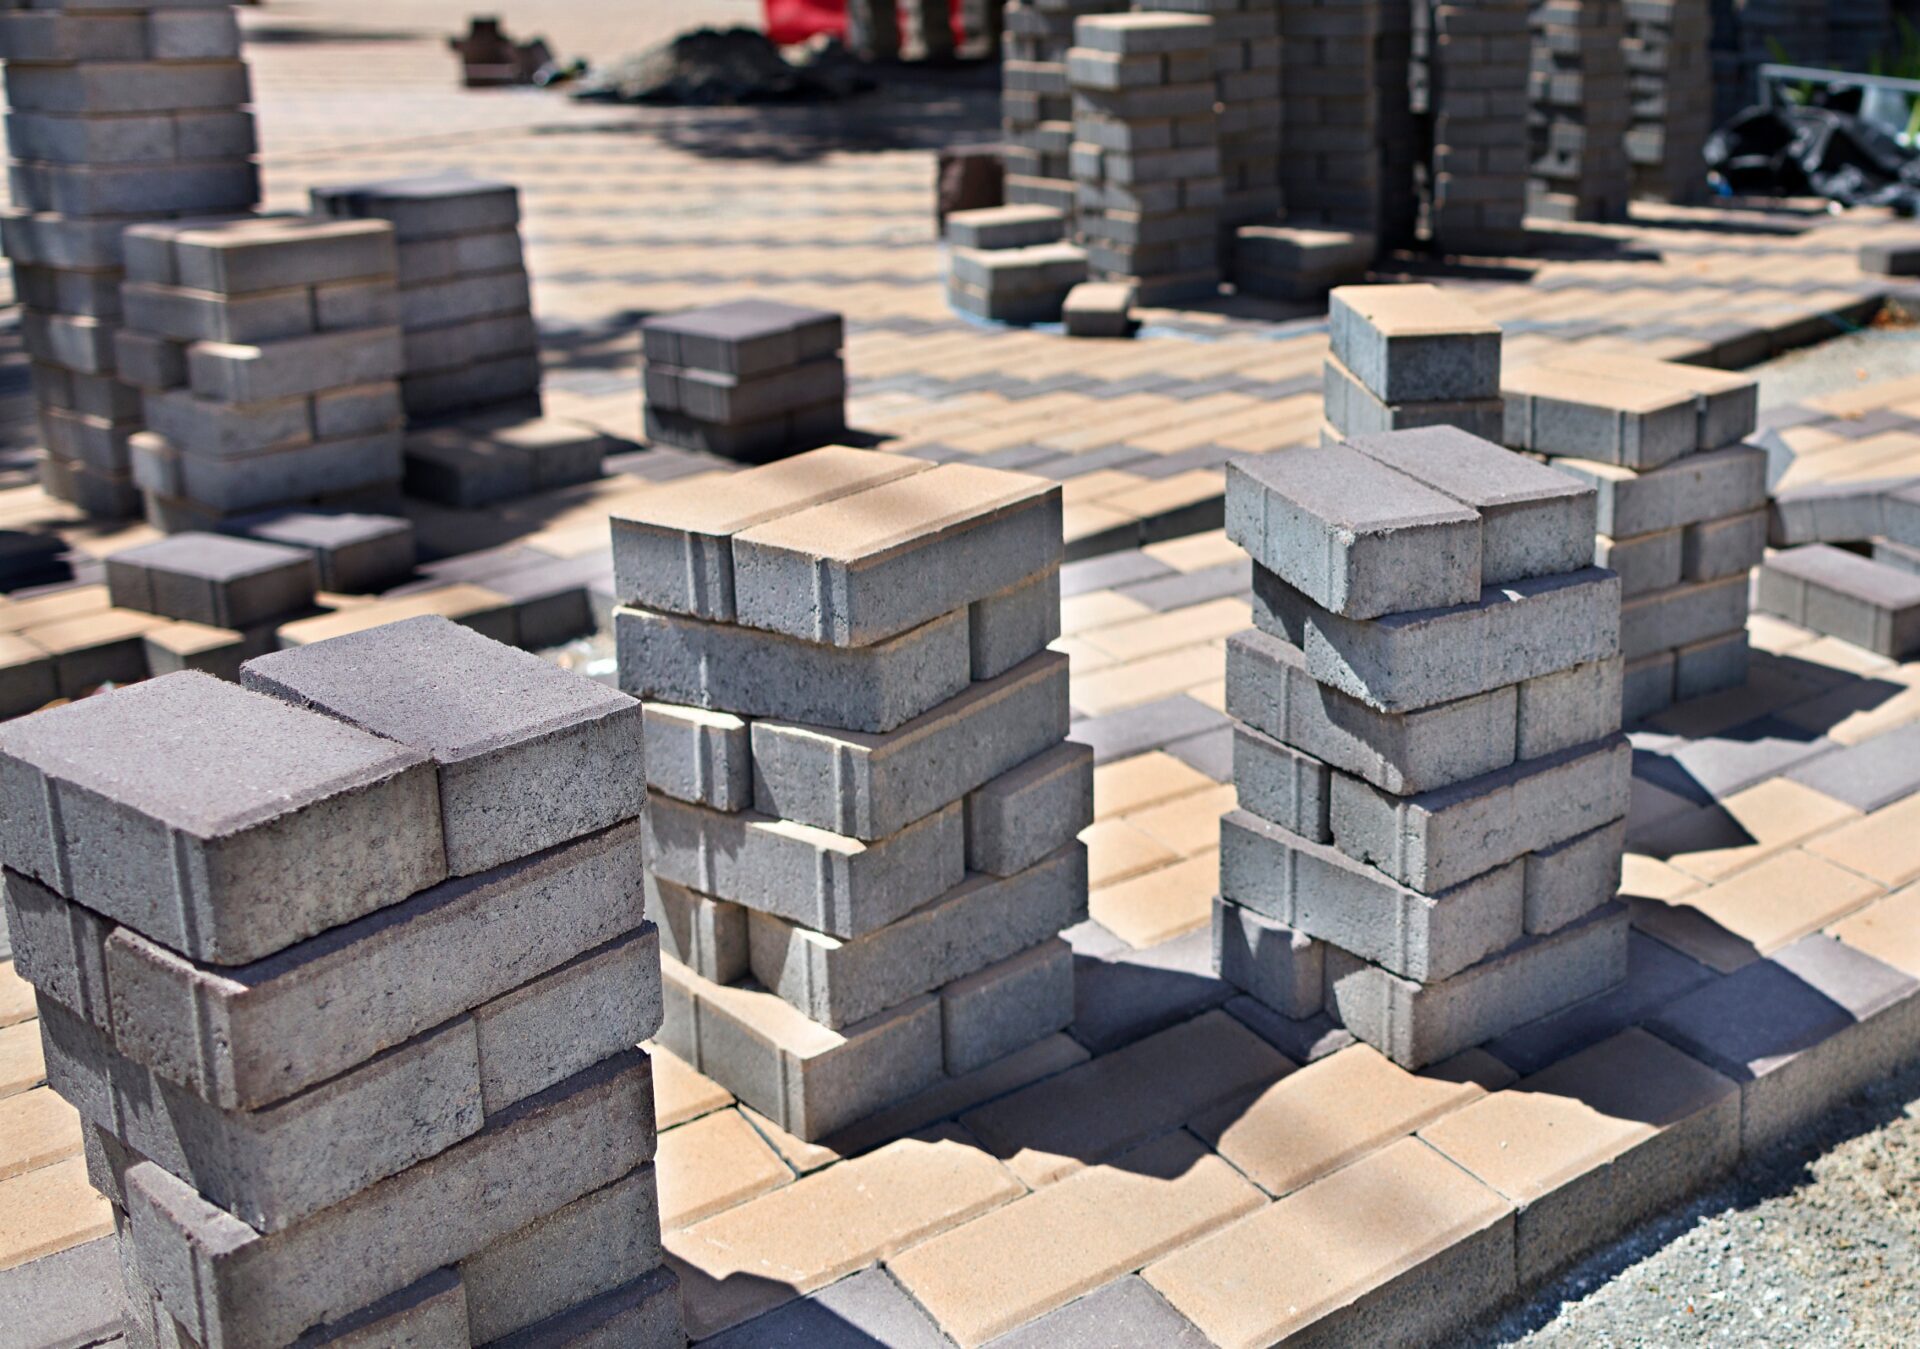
{"points": [[1682, 514], [1331, 171], [1036, 102], [1477, 60], [1670, 82], [1432, 783], [344, 973], [1580, 110], [117, 114], [863, 816], [269, 353], [1445, 369], [466, 310], [1146, 152]]}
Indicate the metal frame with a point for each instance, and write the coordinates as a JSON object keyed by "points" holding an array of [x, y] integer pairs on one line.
{"points": [[1770, 75]]}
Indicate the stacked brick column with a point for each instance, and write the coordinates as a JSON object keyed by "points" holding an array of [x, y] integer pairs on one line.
{"points": [[862, 828], [1453, 381], [873, 29], [1477, 62], [1670, 81], [1036, 102], [466, 312], [1580, 112], [1146, 152], [344, 973], [269, 352], [1331, 172], [1682, 505], [1432, 784], [117, 115], [750, 379]]}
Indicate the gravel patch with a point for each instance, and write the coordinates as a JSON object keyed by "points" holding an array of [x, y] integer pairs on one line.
{"points": [[1817, 1244]]}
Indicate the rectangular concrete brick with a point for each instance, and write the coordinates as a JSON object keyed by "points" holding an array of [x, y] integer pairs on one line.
{"points": [[425, 206], [318, 1008], [252, 255], [88, 191], [878, 688], [1414, 343], [58, 947], [869, 786], [741, 337], [1025, 813], [1568, 708], [1269, 688], [1646, 686], [204, 427], [1533, 521], [1415, 1024], [222, 487], [1005, 227], [1691, 612], [1687, 491], [807, 1079], [212, 579], [204, 316], [128, 86], [1833, 512], [982, 920], [598, 1004], [1711, 665], [1353, 534], [266, 824], [707, 935], [869, 566], [1267, 959], [235, 1289], [1006, 628], [699, 756], [1645, 562], [1354, 410], [1321, 892], [1589, 416], [645, 1311], [274, 1168], [1440, 839], [1728, 400], [1730, 547], [1280, 784], [827, 881], [529, 755], [251, 373], [1403, 662], [1006, 1006], [1571, 879], [1843, 595]]}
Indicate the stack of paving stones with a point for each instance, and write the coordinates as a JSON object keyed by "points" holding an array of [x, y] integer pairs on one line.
{"points": [[1579, 117], [1871, 602], [1012, 264], [1341, 91], [1477, 60], [118, 114], [1146, 152], [748, 379], [1683, 505], [269, 352], [1405, 357], [1036, 102], [873, 29], [1298, 262], [1670, 84], [861, 831], [466, 312], [1431, 778], [344, 972], [224, 597]]}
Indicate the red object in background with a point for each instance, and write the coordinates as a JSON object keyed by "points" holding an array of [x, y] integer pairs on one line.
{"points": [[790, 21]]}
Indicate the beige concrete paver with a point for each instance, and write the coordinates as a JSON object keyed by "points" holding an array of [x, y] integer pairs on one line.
{"points": [[711, 1164], [1884, 845], [1757, 911], [1160, 905], [37, 1128], [680, 1091], [16, 996], [1887, 929], [1127, 785], [21, 1063], [49, 1209]]}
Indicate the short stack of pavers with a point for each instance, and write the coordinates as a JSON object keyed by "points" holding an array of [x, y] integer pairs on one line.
{"points": [[1146, 152], [1036, 102], [344, 972], [1871, 602], [1670, 84], [269, 352], [1298, 262], [861, 829], [1683, 514], [224, 596], [1432, 785], [1405, 357], [1580, 112], [118, 113], [466, 310], [748, 379], [1477, 58], [1011, 264]]}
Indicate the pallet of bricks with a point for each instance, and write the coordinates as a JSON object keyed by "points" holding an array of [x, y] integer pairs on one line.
{"points": [[1146, 153], [1683, 504], [1432, 784], [1579, 117], [1477, 57], [344, 973], [862, 829], [117, 114], [268, 352], [1670, 86], [1036, 102]]}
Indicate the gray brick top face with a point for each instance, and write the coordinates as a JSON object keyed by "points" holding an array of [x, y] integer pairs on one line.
{"points": [[214, 557], [198, 754], [425, 187], [1467, 468], [741, 320], [436, 686]]}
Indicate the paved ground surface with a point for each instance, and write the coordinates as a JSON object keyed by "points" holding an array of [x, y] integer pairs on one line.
{"points": [[1773, 831]]}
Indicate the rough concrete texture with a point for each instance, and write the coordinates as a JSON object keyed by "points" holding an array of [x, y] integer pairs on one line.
{"points": [[1019, 817]]}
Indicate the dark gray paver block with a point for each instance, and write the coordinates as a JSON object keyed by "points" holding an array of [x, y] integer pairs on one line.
{"points": [[1871, 774], [1126, 1314], [1844, 595], [212, 579], [1122, 995]]}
